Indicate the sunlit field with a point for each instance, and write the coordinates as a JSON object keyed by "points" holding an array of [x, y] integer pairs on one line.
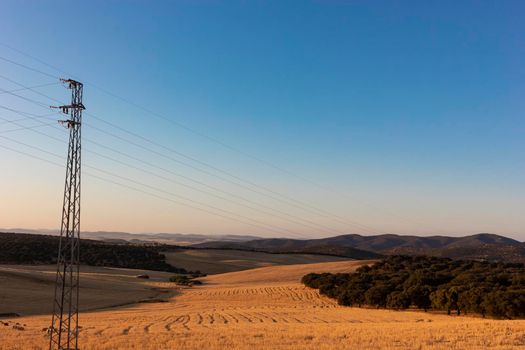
{"points": [[266, 308]]}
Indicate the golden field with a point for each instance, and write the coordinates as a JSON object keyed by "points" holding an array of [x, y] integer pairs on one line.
{"points": [[264, 308]]}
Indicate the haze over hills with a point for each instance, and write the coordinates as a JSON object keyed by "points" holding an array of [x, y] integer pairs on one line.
{"points": [[483, 246], [123, 237], [480, 246]]}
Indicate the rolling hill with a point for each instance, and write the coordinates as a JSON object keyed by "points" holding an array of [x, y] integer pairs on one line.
{"points": [[214, 261], [30, 249], [140, 238], [480, 246], [286, 246]]}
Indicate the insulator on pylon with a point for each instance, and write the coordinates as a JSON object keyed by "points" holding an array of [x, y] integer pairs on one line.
{"points": [[64, 329]]}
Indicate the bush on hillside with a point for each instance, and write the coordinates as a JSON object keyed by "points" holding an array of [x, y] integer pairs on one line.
{"points": [[184, 280]]}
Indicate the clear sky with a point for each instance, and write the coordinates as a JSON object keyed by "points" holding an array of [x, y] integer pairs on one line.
{"points": [[409, 114]]}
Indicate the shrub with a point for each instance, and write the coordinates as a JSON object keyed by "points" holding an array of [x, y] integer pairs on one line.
{"points": [[184, 280]]}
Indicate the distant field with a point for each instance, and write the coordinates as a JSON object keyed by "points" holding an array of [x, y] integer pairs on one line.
{"points": [[267, 308], [29, 290], [213, 261]]}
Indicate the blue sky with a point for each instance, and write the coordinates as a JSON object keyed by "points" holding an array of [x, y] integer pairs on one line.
{"points": [[410, 112]]}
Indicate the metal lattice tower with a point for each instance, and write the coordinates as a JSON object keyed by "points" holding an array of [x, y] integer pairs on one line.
{"points": [[63, 333]]}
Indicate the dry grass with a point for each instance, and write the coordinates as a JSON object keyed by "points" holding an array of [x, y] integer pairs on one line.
{"points": [[267, 308], [213, 261]]}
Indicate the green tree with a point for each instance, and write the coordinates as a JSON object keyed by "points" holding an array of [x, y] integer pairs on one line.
{"points": [[438, 300], [376, 295], [398, 300], [420, 296]]}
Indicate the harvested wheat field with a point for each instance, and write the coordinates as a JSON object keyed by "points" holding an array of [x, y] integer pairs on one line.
{"points": [[267, 308]]}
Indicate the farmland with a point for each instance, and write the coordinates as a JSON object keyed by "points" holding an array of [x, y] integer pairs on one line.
{"points": [[265, 308], [213, 261]]}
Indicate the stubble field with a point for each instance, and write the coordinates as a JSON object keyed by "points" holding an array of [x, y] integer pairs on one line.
{"points": [[267, 308]]}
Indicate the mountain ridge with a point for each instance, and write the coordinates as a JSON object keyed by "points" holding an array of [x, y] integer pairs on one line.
{"points": [[481, 246], [154, 237]]}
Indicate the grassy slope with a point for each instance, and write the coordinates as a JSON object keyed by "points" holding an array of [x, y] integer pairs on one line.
{"points": [[27, 290], [289, 274], [212, 261]]}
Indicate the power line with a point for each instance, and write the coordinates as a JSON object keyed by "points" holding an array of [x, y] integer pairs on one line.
{"points": [[35, 59], [180, 203], [31, 155], [203, 135], [30, 88], [24, 128], [38, 103], [44, 116], [287, 200], [256, 224], [275, 228], [290, 202], [158, 115], [280, 213], [194, 181], [28, 68], [38, 132], [145, 185], [320, 227], [191, 130], [27, 114]]}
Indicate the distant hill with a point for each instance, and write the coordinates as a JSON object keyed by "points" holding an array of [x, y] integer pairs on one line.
{"points": [[287, 246], [138, 238], [482, 246], [31, 249]]}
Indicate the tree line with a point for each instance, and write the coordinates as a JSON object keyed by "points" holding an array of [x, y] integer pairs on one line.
{"points": [[18, 248], [430, 283]]}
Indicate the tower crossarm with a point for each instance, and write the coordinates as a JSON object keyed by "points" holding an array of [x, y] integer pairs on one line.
{"points": [[63, 333]]}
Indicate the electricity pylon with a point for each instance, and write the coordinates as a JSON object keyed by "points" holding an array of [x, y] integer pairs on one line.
{"points": [[63, 333]]}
